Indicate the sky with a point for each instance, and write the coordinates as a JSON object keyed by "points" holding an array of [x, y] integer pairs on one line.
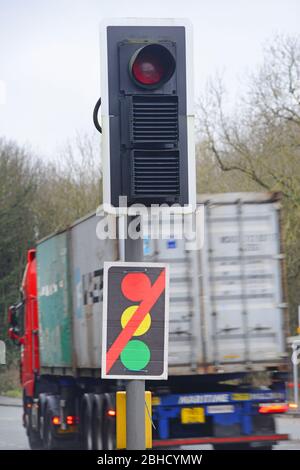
{"points": [[50, 60]]}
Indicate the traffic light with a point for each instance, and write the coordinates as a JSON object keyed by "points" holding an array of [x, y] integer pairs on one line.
{"points": [[147, 112], [135, 320]]}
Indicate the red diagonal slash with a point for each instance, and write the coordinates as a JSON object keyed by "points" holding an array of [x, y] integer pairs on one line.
{"points": [[126, 334]]}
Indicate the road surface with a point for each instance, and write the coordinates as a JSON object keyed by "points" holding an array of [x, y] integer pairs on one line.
{"points": [[13, 437], [12, 433]]}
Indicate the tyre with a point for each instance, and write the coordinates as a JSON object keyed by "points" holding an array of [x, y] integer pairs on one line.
{"points": [[110, 438], [87, 426], [109, 430], [34, 439], [97, 423], [35, 442], [49, 440]]}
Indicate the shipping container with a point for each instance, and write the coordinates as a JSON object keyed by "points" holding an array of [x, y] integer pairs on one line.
{"points": [[227, 302], [70, 283], [55, 301], [245, 313]]}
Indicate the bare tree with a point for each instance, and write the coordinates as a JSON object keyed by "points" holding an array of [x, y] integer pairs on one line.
{"points": [[260, 138], [69, 187]]}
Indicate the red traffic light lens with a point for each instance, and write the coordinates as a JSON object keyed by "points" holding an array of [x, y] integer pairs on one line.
{"points": [[152, 66]]}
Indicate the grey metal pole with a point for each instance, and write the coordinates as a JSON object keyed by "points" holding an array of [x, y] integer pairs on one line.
{"points": [[135, 415], [135, 389], [133, 248]]}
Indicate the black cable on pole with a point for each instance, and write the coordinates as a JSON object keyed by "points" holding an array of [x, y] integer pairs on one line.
{"points": [[95, 116]]}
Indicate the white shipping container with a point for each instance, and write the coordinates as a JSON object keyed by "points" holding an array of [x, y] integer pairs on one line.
{"points": [[227, 308]]}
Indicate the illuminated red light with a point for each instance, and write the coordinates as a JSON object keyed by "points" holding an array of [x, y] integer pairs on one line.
{"points": [[71, 420], [147, 70], [111, 413], [152, 66], [56, 420], [273, 408]]}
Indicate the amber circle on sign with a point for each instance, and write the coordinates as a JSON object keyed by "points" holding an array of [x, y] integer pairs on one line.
{"points": [[143, 326]]}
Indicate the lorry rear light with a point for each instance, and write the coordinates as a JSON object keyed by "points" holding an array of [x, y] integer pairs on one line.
{"points": [[273, 408], [111, 413], [56, 420], [293, 406], [72, 420]]}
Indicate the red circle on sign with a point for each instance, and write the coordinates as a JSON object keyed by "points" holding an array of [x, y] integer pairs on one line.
{"points": [[135, 286]]}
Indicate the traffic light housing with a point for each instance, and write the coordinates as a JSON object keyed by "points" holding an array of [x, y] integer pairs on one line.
{"points": [[147, 113]]}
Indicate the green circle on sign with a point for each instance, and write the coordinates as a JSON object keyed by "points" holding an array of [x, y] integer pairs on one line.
{"points": [[135, 355]]}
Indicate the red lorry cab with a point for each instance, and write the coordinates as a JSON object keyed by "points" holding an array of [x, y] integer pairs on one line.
{"points": [[27, 332]]}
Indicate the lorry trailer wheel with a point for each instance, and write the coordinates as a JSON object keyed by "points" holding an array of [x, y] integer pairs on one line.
{"points": [[109, 431], [86, 419], [97, 423], [110, 439], [49, 440], [34, 439]]}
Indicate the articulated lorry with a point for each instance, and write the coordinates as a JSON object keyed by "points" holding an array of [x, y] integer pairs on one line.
{"points": [[227, 333]]}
